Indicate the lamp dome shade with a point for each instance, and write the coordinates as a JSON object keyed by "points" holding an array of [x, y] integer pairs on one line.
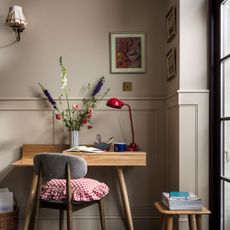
{"points": [[115, 103]]}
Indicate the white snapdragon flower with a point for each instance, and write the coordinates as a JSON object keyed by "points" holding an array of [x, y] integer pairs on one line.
{"points": [[64, 81]]}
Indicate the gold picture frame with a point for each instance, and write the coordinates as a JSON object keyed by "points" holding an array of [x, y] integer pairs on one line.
{"points": [[171, 23], [127, 52], [171, 64]]}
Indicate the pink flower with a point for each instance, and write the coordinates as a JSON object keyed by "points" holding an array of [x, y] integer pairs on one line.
{"points": [[58, 116], [84, 121], [89, 116], [90, 110], [76, 106]]}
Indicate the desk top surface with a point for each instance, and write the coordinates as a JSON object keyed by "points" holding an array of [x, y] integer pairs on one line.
{"points": [[93, 159]]}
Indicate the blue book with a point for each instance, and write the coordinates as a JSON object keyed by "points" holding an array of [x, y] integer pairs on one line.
{"points": [[179, 194], [181, 201]]}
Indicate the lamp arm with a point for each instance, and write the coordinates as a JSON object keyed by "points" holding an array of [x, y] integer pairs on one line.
{"points": [[131, 121]]}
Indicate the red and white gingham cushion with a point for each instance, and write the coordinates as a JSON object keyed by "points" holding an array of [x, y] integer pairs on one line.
{"points": [[83, 189]]}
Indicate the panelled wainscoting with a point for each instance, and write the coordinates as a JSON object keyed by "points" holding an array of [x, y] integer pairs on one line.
{"points": [[187, 145], [30, 120], [158, 124]]}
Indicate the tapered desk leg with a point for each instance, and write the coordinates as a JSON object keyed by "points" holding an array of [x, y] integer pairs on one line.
{"points": [[191, 219], [125, 198], [199, 222], [169, 222], [30, 203]]}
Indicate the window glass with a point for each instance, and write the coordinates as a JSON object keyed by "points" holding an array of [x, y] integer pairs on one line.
{"points": [[226, 206], [225, 72], [226, 148], [225, 28]]}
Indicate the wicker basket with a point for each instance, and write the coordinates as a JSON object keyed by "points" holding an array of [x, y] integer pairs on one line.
{"points": [[9, 220]]}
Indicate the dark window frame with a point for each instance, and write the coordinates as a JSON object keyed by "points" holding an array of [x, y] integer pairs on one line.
{"points": [[215, 178]]}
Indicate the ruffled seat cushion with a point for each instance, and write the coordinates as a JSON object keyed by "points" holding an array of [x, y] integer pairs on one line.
{"points": [[83, 189]]}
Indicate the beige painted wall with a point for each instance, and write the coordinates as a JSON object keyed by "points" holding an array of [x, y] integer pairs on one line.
{"points": [[187, 104], [172, 86], [79, 31], [193, 32]]}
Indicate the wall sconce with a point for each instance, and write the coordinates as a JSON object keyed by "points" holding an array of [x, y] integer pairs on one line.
{"points": [[118, 104], [16, 20]]}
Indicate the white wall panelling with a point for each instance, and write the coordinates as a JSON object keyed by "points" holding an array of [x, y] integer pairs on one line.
{"points": [[187, 144], [188, 159], [193, 147], [198, 100]]}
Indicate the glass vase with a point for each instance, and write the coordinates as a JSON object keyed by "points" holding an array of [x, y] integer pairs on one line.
{"points": [[74, 138]]}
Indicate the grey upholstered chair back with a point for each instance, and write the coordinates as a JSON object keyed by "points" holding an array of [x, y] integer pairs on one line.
{"points": [[54, 165]]}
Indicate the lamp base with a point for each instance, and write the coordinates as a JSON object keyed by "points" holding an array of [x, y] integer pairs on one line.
{"points": [[132, 147]]}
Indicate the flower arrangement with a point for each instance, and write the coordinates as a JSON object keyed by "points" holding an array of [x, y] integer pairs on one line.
{"points": [[75, 116]]}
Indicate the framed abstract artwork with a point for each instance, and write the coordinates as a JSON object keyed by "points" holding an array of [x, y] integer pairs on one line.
{"points": [[171, 64], [171, 23], [127, 53]]}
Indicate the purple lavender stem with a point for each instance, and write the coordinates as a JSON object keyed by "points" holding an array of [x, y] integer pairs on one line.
{"points": [[98, 86], [46, 92]]}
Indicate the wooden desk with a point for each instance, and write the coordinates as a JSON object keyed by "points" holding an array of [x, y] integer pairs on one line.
{"points": [[110, 159]]}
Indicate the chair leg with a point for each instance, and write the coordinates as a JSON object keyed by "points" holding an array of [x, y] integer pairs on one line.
{"points": [[69, 199], [102, 214], [61, 219], [69, 219]]}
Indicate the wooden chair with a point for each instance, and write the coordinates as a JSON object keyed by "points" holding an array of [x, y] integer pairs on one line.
{"points": [[59, 166]]}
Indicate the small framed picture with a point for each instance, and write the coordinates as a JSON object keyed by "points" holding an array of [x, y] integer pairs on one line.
{"points": [[171, 64], [127, 52], [171, 23]]}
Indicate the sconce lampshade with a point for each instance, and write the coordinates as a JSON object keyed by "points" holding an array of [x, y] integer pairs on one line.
{"points": [[16, 20]]}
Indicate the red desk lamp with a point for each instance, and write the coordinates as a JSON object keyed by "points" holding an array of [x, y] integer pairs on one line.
{"points": [[118, 104]]}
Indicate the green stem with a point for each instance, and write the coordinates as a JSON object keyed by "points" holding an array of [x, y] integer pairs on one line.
{"points": [[103, 95], [67, 101]]}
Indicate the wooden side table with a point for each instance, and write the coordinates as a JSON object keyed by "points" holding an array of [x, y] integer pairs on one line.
{"points": [[167, 216]]}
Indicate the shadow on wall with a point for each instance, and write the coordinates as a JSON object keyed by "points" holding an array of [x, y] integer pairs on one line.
{"points": [[18, 180], [7, 156], [10, 39]]}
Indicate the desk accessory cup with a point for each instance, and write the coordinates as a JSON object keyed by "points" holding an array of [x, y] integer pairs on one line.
{"points": [[120, 147], [103, 145]]}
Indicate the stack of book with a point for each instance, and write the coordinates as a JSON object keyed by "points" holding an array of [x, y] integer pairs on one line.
{"points": [[6, 200], [181, 201]]}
